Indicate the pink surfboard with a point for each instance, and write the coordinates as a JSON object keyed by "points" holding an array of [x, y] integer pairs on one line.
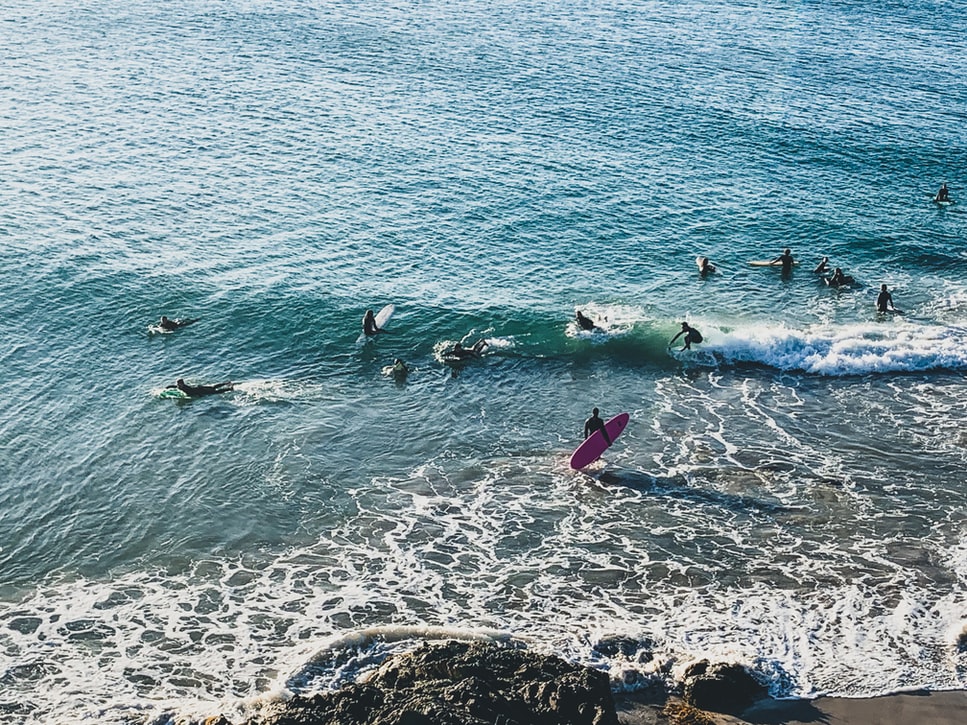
{"points": [[595, 444]]}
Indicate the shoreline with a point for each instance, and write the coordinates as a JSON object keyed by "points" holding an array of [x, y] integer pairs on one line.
{"points": [[947, 707]]}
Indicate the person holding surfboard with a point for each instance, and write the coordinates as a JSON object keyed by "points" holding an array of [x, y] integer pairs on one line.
{"points": [[691, 335], [786, 260], [884, 301], [369, 324], [594, 423]]}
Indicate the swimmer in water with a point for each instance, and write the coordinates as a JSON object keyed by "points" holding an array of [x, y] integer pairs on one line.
{"points": [[196, 391]]}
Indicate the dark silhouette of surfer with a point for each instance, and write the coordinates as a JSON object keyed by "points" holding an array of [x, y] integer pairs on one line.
{"points": [[705, 267], [584, 322], [196, 391], [369, 325], [459, 352], [840, 279], [594, 423], [691, 335], [943, 194], [884, 300], [170, 325], [786, 260]]}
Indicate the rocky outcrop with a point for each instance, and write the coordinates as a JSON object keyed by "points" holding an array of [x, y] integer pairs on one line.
{"points": [[721, 687], [461, 683]]}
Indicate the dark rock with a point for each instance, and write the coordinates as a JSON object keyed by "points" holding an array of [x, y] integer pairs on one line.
{"points": [[460, 683], [627, 646], [725, 688]]}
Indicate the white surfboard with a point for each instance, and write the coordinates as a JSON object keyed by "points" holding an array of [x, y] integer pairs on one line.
{"points": [[382, 317]]}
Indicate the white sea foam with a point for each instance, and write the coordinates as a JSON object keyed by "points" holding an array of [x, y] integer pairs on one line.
{"points": [[852, 349]]}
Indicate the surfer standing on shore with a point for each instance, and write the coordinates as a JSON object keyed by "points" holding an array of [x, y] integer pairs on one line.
{"points": [[691, 335], [595, 423]]}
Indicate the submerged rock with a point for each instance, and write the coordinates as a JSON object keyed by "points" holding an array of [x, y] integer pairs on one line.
{"points": [[461, 683]]}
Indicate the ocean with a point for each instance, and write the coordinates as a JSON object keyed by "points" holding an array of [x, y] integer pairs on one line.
{"points": [[789, 494]]}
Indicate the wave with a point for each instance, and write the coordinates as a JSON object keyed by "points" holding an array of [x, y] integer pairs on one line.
{"points": [[843, 350]]}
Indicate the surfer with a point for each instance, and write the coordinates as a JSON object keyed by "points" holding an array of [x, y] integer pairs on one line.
{"points": [[839, 279], [691, 335], [786, 260], [884, 300], [585, 323], [705, 267], [196, 391], [369, 324], [943, 194], [462, 353], [399, 368], [593, 424], [822, 267], [170, 325]]}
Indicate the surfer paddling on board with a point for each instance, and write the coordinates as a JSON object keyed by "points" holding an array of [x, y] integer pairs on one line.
{"points": [[691, 335], [369, 325], [943, 194], [170, 325], [585, 323], [460, 352], [840, 278], [786, 260], [196, 391], [884, 300], [593, 424]]}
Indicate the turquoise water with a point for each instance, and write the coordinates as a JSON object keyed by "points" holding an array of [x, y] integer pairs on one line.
{"points": [[789, 495]]}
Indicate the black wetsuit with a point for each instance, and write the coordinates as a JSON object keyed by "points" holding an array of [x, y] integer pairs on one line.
{"points": [[594, 423], [882, 300]]}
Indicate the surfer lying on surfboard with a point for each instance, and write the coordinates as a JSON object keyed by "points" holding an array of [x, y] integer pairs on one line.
{"points": [[196, 391], [459, 352], [169, 325]]}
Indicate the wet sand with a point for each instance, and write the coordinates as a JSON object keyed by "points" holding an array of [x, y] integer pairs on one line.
{"points": [[935, 708]]}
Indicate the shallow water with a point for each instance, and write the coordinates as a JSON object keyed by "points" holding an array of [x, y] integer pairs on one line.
{"points": [[788, 495]]}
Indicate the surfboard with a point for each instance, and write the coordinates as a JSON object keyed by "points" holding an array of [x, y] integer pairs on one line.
{"points": [[595, 444], [766, 263], [382, 317]]}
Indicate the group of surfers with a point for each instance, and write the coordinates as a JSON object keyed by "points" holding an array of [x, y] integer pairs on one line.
{"points": [[459, 352]]}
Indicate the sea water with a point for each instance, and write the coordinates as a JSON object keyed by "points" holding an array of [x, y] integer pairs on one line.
{"points": [[788, 495]]}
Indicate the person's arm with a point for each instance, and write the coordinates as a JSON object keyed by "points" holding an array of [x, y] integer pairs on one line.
{"points": [[607, 438], [672, 341]]}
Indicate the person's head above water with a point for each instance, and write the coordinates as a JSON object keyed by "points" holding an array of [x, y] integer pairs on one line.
{"points": [[882, 288], [787, 250], [594, 412]]}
